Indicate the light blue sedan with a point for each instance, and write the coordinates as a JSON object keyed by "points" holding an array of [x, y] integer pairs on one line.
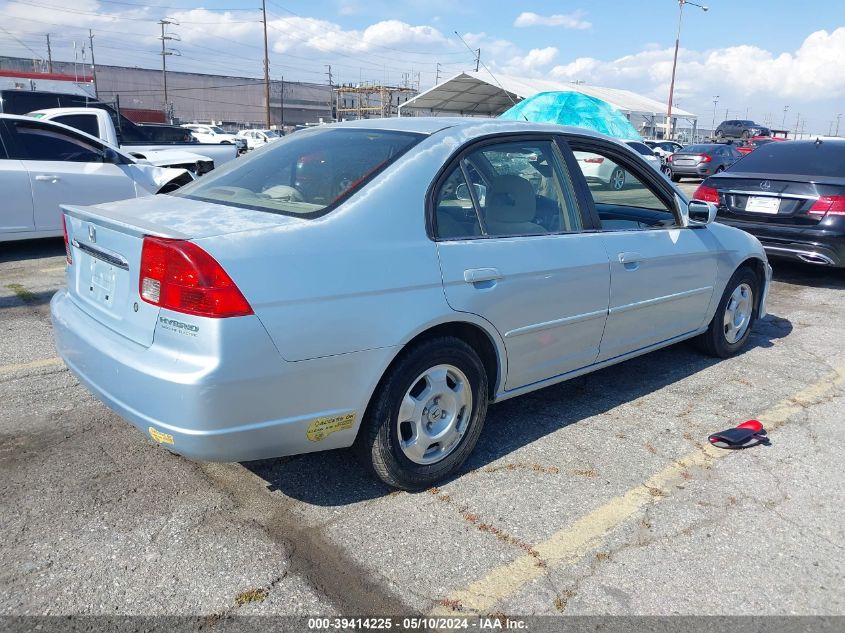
{"points": [[377, 284]]}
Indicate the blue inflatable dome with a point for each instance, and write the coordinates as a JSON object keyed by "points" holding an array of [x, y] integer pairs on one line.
{"points": [[576, 109]]}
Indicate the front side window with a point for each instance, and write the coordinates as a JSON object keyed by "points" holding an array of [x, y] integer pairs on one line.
{"points": [[507, 189], [36, 142], [623, 200], [304, 174]]}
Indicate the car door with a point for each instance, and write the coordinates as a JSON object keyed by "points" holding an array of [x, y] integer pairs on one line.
{"points": [[16, 213], [514, 250], [65, 168], [662, 274]]}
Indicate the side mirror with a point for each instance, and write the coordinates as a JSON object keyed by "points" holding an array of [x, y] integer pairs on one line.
{"points": [[701, 212]]}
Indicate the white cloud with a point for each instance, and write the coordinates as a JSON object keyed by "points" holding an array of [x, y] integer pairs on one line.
{"points": [[531, 63], [567, 20]]}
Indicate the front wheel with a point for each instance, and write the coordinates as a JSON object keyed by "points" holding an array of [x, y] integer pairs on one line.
{"points": [[426, 415], [674, 177], [731, 326]]}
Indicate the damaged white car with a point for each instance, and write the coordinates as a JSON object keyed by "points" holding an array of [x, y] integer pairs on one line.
{"points": [[45, 164]]}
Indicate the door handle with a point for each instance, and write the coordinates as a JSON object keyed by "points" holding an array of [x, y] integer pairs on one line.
{"points": [[630, 258], [477, 275], [47, 177]]}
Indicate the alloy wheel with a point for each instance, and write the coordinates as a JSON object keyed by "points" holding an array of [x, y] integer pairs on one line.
{"points": [[738, 313], [434, 414]]}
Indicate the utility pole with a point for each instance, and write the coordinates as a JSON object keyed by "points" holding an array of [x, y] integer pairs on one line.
{"points": [[282, 104], [681, 4], [437, 79], [331, 88], [477, 58], [713, 126], [783, 121], [49, 55], [93, 64], [838, 116], [266, 65], [797, 121], [164, 53]]}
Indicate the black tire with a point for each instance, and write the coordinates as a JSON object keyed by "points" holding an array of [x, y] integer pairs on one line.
{"points": [[720, 135], [674, 177], [746, 134], [714, 341], [378, 443], [719, 169]]}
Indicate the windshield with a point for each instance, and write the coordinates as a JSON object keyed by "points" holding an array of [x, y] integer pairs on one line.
{"points": [[218, 130], [304, 174]]}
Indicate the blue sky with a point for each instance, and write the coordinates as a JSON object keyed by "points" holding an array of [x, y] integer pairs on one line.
{"points": [[758, 56]]}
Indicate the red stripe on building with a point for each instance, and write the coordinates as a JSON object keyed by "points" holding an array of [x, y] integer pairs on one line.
{"points": [[52, 76]]}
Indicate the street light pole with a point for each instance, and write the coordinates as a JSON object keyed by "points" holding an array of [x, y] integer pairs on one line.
{"points": [[713, 125], [681, 4], [838, 116], [783, 122]]}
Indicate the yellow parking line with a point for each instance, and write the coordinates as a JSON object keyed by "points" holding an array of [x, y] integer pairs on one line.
{"points": [[572, 542], [36, 364]]}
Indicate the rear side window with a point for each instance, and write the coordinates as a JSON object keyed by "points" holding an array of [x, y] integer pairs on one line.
{"points": [[84, 122], [305, 174], [642, 148], [507, 189], [826, 158]]}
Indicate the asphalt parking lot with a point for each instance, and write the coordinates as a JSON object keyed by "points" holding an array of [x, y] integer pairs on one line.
{"points": [[596, 496]]}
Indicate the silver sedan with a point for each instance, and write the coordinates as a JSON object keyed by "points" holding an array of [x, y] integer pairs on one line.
{"points": [[376, 284]]}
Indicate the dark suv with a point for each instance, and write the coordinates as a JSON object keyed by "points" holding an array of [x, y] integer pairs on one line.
{"points": [[739, 128]]}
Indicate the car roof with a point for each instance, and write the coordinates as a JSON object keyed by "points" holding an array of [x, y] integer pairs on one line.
{"points": [[468, 126]]}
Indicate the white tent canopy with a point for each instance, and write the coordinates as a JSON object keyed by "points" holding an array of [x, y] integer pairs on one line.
{"points": [[480, 93]]}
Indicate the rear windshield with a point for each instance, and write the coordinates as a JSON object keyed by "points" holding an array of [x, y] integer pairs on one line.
{"points": [[304, 174], [642, 148], [698, 149], [826, 158]]}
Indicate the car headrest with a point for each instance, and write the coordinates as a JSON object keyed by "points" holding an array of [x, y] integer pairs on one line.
{"points": [[510, 199]]}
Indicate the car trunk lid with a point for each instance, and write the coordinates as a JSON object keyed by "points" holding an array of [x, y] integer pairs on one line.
{"points": [[106, 242], [779, 201]]}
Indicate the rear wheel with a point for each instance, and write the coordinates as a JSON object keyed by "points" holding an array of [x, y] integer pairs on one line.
{"points": [[719, 135], [731, 326], [719, 169], [617, 179], [674, 177], [746, 135], [426, 415]]}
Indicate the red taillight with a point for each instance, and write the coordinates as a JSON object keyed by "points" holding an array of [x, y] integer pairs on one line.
{"points": [[706, 194], [68, 255], [670, 157], [598, 160], [705, 158], [180, 276], [828, 205]]}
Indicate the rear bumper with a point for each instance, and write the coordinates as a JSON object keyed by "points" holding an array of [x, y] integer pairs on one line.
{"points": [[239, 401], [821, 247], [698, 171]]}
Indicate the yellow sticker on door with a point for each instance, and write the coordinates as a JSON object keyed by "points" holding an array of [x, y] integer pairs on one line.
{"points": [[161, 438], [321, 428]]}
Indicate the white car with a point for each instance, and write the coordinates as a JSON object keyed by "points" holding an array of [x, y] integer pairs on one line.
{"points": [[45, 164], [257, 138], [597, 169], [664, 149], [215, 134], [377, 283]]}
